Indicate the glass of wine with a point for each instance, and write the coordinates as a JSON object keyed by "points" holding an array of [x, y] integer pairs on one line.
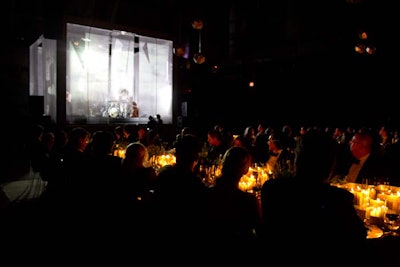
{"points": [[392, 222]]}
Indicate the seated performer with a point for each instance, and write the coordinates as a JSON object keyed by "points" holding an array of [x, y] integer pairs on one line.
{"points": [[135, 110]]}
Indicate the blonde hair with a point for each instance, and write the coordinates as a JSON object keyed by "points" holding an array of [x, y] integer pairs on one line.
{"points": [[136, 155]]}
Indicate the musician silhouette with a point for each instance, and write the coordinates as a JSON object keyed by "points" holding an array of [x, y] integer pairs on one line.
{"points": [[125, 103]]}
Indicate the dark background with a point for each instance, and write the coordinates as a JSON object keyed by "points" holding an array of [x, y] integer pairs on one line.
{"points": [[300, 54]]}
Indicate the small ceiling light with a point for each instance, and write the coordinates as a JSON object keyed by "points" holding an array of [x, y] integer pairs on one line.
{"points": [[360, 48], [180, 51], [370, 50], [215, 69], [363, 36]]}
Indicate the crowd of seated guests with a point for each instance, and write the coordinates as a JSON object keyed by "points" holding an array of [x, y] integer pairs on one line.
{"points": [[85, 181], [376, 159], [364, 160]]}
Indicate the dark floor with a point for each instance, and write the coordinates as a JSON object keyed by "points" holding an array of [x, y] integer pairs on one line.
{"points": [[27, 187], [22, 187]]}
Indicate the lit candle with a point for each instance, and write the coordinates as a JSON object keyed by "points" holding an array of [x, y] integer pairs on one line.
{"points": [[121, 153], [393, 203], [364, 199], [377, 212], [376, 202]]}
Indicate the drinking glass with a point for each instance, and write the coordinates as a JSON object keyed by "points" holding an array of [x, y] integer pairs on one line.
{"points": [[392, 222]]}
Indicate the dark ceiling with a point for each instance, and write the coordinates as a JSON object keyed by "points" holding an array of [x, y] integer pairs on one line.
{"points": [[248, 30]]}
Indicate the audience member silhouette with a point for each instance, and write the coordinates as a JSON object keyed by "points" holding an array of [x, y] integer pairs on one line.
{"points": [[137, 179], [390, 152], [391, 159], [277, 163], [160, 126], [367, 164], [217, 146], [48, 143], [142, 135], [306, 217], [152, 124], [36, 150], [130, 133], [343, 155], [234, 214], [384, 139], [103, 170], [154, 145], [66, 211], [261, 149], [249, 135], [288, 143], [119, 137], [71, 184], [61, 140], [185, 130], [180, 196], [239, 140]]}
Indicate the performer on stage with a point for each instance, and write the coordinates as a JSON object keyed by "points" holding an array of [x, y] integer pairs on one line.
{"points": [[125, 103], [135, 110]]}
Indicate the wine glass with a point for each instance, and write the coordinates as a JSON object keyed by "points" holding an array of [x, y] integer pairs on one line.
{"points": [[392, 222], [256, 174]]}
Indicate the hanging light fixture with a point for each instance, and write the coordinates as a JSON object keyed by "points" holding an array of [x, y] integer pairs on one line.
{"points": [[180, 50], [197, 24], [198, 58], [364, 45]]}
